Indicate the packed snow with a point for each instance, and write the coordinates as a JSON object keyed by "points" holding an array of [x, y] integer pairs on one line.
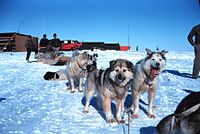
{"points": [[31, 105]]}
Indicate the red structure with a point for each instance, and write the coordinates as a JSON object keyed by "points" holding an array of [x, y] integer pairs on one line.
{"points": [[69, 45], [124, 48]]}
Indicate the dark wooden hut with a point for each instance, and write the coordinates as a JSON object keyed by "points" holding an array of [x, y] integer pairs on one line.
{"points": [[14, 42]]}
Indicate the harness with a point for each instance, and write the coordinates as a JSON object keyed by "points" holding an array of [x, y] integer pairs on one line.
{"points": [[111, 87], [83, 70], [177, 117], [81, 67]]}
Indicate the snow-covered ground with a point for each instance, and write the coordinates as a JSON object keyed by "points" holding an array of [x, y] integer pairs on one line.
{"points": [[31, 105]]}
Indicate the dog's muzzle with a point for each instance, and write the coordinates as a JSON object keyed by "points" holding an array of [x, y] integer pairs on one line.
{"points": [[120, 77], [155, 70]]}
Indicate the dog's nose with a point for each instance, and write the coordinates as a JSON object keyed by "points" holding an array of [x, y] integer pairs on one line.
{"points": [[120, 77], [157, 64]]}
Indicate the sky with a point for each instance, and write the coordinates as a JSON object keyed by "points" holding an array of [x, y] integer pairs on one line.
{"points": [[141, 23]]}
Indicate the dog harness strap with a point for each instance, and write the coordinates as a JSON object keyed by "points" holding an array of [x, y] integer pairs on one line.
{"points": [[172, 124], [80, 66], [191, 110]]}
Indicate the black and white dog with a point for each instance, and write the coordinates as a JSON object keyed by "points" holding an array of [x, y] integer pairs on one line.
{"points": [[185, 119]]}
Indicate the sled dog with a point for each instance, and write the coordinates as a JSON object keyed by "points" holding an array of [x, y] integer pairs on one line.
{"points": [[185, 119], [146, 79], [62, 75], [112, 83], [76, 70]]}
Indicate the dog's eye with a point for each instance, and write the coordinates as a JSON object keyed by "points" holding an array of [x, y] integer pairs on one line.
{"points": [[153, 59], [124, 70], [117, 70], [160, 59]]}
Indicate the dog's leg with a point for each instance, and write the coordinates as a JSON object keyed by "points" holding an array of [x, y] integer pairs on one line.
{"points": [[136, 97], [119, 110], [99, 102], [151, 97], [80, 89], [72, 85], [107, 109], [89, 93]]}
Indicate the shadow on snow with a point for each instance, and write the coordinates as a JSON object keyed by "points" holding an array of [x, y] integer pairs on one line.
{"points": [[127, 104], [175, 72], [2, 99]]}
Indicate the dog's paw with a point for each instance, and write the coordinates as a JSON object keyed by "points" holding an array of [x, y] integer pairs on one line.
{"points": [[135, 116], [120, 121], [151, 116], [72, 91], [154, 106], [85, 111], [111, 120], [80, 91]]}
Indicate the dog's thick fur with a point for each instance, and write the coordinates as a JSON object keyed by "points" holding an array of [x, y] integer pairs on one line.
{"points": [[62, 75], [146, 79], [112, 83], [76, 70], [185, 119]]}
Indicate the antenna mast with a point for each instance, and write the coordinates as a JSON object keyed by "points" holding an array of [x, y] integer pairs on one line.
{"points": [[128, 36]]}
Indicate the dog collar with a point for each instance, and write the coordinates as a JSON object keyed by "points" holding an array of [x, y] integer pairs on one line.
{"points": [[80, 66]]}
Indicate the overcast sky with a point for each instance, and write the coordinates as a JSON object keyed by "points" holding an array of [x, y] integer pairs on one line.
{"points": [[151, 23]]}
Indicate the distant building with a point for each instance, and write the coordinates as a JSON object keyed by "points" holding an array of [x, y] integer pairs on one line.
{"points": [[14, 42], [99, 45]]}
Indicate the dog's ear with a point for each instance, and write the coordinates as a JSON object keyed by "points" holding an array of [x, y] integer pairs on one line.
{"points": [[149, 52], [96, 55], [130, 65], [163, 52], [112, 63]]}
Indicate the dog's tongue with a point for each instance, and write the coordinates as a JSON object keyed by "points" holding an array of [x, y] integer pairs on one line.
{"points": [[154, 72]]}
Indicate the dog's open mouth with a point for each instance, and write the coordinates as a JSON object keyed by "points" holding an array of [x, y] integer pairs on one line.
{"points": [[155, 71]]}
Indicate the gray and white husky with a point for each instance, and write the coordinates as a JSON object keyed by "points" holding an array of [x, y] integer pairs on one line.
{"points": [[146, 79]]}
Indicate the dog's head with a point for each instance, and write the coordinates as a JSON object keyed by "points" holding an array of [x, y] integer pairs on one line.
{"points": [[92, 64], [155, 62], [121, 72], [82, 59]]}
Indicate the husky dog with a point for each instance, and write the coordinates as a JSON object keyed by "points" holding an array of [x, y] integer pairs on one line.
{"points": [[62, 75], [58, 75], [112, 83], [76, 70], [146, 79], [185, 119]]}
